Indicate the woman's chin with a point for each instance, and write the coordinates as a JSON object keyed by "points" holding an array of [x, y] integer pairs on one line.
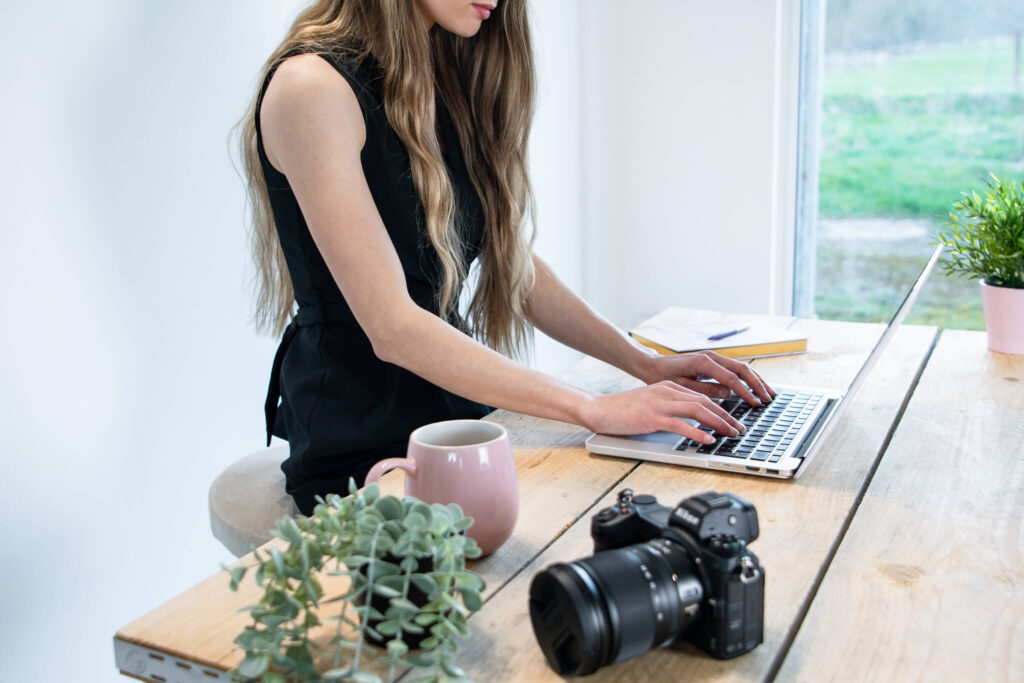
{"points": [[464, 28]]}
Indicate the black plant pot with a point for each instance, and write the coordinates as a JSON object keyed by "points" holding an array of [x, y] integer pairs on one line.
{"points": [[415, 596]]}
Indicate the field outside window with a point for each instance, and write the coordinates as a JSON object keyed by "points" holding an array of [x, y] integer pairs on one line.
{"points": [[921, 101]]}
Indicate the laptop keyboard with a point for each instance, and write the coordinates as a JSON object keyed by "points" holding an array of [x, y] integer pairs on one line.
{"points": [[771, 428]]}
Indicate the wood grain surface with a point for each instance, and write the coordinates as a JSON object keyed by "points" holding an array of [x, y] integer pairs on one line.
{"points": [[928, 583], [561, 485], [800, 520]]}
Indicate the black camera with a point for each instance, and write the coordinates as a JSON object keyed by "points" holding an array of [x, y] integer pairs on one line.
{"points": [[658, 577]]}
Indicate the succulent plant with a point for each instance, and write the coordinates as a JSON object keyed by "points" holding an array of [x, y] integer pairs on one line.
{"points": [[408, 588]]}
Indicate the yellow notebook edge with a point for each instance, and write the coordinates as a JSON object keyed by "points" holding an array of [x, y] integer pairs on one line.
{"points": [[781, 348]]}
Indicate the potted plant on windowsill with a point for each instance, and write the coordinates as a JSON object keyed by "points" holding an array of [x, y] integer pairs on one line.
{"points": [[407, 597], [985, 241]]}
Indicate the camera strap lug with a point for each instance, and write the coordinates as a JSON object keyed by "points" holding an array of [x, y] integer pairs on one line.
{"points": [[748, 572]]}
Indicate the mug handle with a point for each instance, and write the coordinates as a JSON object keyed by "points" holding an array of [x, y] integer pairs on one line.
{"points": [[384, 466]]}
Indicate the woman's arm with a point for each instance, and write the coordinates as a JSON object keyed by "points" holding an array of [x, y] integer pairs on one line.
{"points": [[562, 315], [313, 132]]}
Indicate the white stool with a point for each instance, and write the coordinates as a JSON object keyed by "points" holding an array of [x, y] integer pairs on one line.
{"points": [[248, 498]]}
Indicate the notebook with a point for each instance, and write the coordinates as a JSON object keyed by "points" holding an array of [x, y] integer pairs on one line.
{"points": [[755, 339], [782, 437]]}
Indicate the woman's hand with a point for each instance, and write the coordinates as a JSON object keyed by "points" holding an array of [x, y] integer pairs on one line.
{"points": [[657, 407], [690, 369]]}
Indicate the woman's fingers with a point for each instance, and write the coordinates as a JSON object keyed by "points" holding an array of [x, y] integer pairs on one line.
{"points": [[708, 366], [748, 375], [701, 408], [723, 426], [712, 389], [659, 407], [677, 426]]}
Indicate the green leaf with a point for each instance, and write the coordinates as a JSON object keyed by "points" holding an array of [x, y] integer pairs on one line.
{"points": [[389, 507], [471, 549], [395, 581], [424, 582], [384, 543], [356, 561], [415, 520], [371, 493], [460, 625], [403, 604], [278, 559], [425, 619], [273, 677], [273, 620], [471, 599], [423, 510], [397, 648], [236, 577], [440, 518], [389, 627], [253, 666], [451, 669], [381, 589], [468, 579], [288, 530]]}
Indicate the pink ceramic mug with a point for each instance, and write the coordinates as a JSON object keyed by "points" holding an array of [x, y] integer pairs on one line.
{"points": [[468, 462]]}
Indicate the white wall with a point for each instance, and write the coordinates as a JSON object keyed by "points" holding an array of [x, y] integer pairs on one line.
{"points": [[555, 148], [688, 122], [131, 376]]}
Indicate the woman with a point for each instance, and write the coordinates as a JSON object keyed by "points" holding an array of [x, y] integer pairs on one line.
{"points": [[386, 152]]}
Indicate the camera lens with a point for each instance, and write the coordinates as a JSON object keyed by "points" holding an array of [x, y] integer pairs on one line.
{"points": [[614, 605]]}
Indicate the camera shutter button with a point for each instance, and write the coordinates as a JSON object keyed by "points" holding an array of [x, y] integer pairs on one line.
{"points": [[645, 499]]}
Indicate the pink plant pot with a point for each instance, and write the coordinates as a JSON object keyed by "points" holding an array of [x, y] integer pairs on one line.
{"points": [[1004, 318]]}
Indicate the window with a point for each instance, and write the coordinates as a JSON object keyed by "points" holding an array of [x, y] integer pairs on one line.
{"points": [[911, 103]]}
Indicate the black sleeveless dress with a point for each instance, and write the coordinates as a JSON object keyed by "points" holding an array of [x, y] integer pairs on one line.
{"points": [[340, 407]]}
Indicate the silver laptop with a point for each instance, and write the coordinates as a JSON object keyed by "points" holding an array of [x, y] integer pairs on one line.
{"points": [[782, 437]]}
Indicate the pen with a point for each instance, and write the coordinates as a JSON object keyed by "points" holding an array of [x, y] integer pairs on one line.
{"points": [[722, 335]]}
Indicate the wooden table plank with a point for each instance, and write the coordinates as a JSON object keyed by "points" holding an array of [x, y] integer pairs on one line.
{"points": [[928, 582], [800, 521]]}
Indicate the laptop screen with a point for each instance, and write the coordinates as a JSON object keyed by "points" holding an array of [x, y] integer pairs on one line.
{"points": [[883, 341], [894, 324]]}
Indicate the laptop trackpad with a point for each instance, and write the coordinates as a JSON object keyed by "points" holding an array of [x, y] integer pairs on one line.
{"points": [[669, 439]]}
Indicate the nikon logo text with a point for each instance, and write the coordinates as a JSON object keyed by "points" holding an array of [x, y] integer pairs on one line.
{"points": [[688, 517]]}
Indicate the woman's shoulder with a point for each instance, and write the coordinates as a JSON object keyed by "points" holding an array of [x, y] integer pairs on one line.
{"points": [[307, 76], [306, 99], [307, 68]]}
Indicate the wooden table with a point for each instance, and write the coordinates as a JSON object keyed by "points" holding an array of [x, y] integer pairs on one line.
{"points": [[928, 583], [802, 525]]}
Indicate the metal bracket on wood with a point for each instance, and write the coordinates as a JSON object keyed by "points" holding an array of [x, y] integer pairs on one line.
{"points": [[147, 664]]}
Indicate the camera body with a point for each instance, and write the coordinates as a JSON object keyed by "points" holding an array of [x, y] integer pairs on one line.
{"points": [[714, 529]]}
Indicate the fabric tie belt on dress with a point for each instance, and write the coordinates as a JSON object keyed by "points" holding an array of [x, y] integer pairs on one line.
{"points": [[306, 315]]}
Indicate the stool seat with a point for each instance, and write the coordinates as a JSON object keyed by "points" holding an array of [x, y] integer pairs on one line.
{"points": [[248, 498]]}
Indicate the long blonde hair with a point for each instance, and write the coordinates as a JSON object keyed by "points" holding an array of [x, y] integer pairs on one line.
{"points": [[487, 83]]}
